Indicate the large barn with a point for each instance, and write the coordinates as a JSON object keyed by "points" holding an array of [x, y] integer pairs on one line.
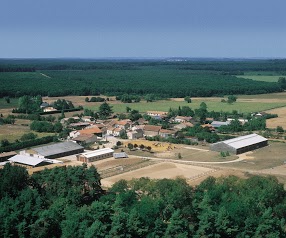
{"points": [[240, 144], [56, 150]]}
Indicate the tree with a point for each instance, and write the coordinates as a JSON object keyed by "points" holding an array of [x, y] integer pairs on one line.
{"points": [[7, 99], [119, 143], [179, 156], [24, 103], [231, 99], [149, 148], [128, 109], [105, 110], [142, 147], [203, 106], [86, 99], [188, 99], [279, 129], [5, 142], [130, 146], [28, 136]]}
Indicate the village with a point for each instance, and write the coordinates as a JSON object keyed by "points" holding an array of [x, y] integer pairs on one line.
{"points": [[160, 144]]}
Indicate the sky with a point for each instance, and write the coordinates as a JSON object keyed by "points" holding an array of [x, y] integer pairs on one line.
{"points": [[142, 28]]}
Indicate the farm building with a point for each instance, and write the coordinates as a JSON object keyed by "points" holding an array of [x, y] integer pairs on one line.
{"points": [[85, 139], [120, 155], [56, 150], [31, 161], [95, 155], [217, 124], [240, 144], [150, 130]]}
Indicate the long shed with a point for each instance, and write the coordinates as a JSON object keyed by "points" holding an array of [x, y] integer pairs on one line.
{"points": [[240, 144], [95, 155]]}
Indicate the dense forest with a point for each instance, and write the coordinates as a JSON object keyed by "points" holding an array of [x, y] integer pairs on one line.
{"points": [[162, 78], [69, 202]]}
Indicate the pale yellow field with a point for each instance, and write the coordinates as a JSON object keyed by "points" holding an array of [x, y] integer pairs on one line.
{"points": [[280, 120]]}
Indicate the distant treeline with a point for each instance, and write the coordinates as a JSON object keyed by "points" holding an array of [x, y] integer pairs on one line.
{"points": [[161, 78]]}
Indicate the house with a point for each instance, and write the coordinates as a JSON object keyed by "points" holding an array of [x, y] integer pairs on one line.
{"points": [[44, 105], [135, 134], [142, 121], [157, 114], [209, 126], [87, 118], [92, 130], [49, 109], [241, 120], [166, 133], [240, 144], [79, 125], [74, 134], [124, 124], [109, 131], [181, 119], [95, 155], [183, 125], [85, 139], [217, 124], [150, 130], [118, 131]]}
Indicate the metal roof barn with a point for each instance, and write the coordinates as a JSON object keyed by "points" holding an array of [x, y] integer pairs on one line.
{"points": [[240, 144], [59, 150]]}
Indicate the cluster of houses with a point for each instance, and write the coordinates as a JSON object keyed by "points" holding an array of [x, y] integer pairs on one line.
{"points": [[85, 130]]}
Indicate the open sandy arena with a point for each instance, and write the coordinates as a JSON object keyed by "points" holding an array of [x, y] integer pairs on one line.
{"points": [[160, 171]]}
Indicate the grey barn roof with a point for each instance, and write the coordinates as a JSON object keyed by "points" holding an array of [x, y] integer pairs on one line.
{"points": [[57, 148], [244, 141]]}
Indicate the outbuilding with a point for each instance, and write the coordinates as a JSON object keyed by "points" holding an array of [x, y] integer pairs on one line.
{"points": [[240, 144], [56, 150], [95, 155]]}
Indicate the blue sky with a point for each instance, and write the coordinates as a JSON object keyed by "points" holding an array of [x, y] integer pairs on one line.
{"points": [[145, 28]]}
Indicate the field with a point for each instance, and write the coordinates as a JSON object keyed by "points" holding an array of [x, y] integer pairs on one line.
{"points": [[14, 132], [160, 171], [213, 104], [265, 78], [13, 103], [278, 121]]}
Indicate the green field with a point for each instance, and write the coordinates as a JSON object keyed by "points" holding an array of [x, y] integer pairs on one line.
{"points": [[265, 78], [13, 103], [164, 105]]}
